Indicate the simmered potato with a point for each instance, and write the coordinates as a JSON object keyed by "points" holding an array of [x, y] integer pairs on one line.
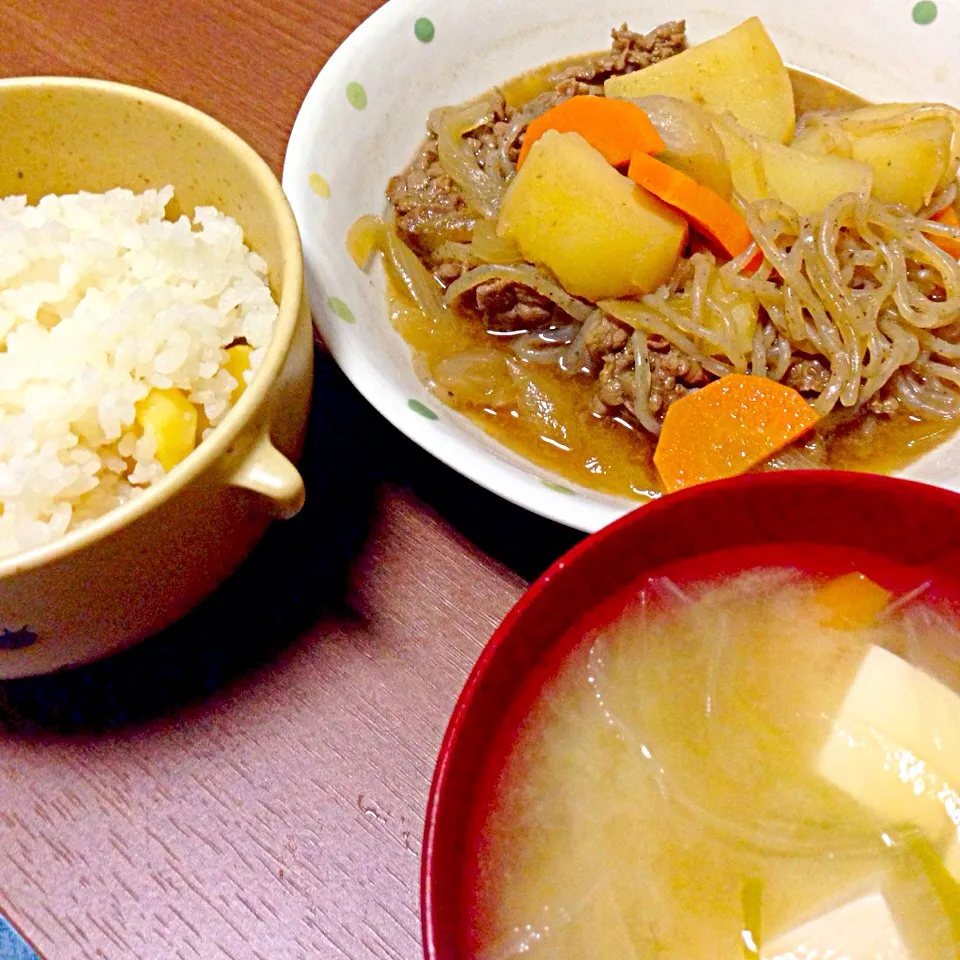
{"points": [[602, 236], [911, 152], [821, 138], [809, 182], [912, 112], [740, 72], [908, 162]]}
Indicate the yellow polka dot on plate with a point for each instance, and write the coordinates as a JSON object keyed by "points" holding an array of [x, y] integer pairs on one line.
{"points": [[319, 186]]}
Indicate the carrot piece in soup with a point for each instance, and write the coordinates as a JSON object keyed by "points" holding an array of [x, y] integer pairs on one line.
{"points": [[727, 427], [617, 128], [709, 213], [852, 601], [947, 244]]}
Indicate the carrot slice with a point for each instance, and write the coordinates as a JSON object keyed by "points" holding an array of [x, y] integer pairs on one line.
{"points": [[753, 264], [707, 210], [852, 601], [617, 128], [947, 244], [727, 427]]}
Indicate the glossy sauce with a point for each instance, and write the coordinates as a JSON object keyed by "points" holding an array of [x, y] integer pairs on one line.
{"points": [[561, 432]]}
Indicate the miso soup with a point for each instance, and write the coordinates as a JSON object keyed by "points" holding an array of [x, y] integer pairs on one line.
{"points": [[765, 765]]}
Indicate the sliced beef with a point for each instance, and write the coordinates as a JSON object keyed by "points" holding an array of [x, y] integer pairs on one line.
{"points": [[566, 89], [427, 202], [602, 335], [807, 376], [616, 385], [884, 404], [508, 307], [672, 375], [485, 140], [428, 206], [488, 139], [446, 270], [630, 51]]}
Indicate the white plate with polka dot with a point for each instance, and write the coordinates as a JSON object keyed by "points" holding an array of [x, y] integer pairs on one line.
{"points": [[364, 117]]}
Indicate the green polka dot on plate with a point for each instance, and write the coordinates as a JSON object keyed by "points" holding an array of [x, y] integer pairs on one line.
{"points": [[417, 407], [924, 12], [556, 487], [356, 95], [341, 310], [424, 30]]}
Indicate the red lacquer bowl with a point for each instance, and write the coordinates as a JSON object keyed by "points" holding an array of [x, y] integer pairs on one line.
{"points": [[897, 532]]}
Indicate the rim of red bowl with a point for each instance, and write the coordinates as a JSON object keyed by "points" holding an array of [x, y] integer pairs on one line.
{"points": [[907, 522]]}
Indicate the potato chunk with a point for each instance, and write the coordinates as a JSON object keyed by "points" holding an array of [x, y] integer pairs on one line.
{"points": [[820, 138], [907, 162], [911, 150], [602, 236], [739, 72], [809, 182]]}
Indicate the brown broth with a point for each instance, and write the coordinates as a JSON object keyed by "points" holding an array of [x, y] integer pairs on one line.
{"points": [[812, 93], [612, 456]]}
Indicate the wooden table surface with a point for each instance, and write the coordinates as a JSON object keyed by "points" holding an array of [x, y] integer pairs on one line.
{"points": [[252, 783]]}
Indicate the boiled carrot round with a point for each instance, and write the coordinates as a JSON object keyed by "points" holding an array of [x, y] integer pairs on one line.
{"points": [[727, 427], [713, 216], [617, 128]]}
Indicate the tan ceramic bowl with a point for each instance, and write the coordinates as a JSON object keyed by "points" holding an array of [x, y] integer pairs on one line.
{"points": [[143, 565]]}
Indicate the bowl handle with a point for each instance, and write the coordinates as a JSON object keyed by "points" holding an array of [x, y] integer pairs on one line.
{"points": [[270, 474]]}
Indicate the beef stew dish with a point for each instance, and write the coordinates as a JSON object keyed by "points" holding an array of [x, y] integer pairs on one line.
{"points": [[640, 273]]}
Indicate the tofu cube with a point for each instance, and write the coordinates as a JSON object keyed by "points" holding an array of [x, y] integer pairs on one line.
{"points": [[895, 746], [863, 929], [951, 858]]}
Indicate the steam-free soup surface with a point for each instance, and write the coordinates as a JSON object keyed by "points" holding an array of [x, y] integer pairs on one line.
{"points": [[704, 774]]}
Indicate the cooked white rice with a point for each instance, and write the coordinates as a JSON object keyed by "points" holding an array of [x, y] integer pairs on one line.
{"points": [[102, 299]]}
